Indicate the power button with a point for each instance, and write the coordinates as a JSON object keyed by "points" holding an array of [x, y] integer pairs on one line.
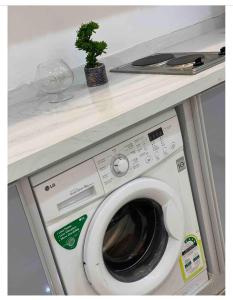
{"points": [[147, 159]]}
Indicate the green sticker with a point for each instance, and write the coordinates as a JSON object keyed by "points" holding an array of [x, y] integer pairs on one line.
{"points": [[192, 260], [68, 235]]}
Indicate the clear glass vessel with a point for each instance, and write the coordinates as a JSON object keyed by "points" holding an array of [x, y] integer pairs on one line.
{"points": [[54, 77]]}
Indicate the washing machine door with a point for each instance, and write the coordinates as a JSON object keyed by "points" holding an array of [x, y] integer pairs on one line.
{"points": [[134, 238]]}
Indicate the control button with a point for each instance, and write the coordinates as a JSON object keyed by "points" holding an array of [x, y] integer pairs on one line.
{"points": [[173, 145], [120, 165], [136, 166], [165, 150], [109, 181], [222, 51], [142, 154], [139, 147], [155, 147], [145, 146], [102, 167], [101, 161], [199, 61], [157, 155], [134, 160], [147, 159], [106, 175]]}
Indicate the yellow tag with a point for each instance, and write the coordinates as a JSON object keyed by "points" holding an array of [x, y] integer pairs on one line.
{"points": [[192, 260]]}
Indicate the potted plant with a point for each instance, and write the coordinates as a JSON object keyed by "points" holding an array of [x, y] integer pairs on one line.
{"points": [[95, 71]]}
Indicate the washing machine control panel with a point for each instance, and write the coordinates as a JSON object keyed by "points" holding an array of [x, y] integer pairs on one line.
{"points": [[135, 156]]}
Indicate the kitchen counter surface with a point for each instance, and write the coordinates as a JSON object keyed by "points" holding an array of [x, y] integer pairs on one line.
{"points": [[41, 133]]}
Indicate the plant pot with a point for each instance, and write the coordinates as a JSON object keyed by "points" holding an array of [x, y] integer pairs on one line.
{"points": [[96, 76]]}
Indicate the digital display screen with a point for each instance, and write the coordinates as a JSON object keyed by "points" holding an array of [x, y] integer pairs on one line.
{"points": [[155, 134]]}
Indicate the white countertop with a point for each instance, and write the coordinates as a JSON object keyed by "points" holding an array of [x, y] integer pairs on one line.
{"points": [[41, 133]]}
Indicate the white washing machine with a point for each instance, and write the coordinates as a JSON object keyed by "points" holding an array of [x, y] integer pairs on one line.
{"points": [[124, 221]]}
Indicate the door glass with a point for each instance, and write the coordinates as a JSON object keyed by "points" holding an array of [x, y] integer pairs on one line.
{"points": [[135, 240]]}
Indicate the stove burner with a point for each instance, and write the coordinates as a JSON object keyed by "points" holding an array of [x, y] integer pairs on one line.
{"points": [[195, 59], [153, 59]]}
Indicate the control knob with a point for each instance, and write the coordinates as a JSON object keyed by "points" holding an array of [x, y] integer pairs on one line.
{"points": [[120, 165], [222, 51]]}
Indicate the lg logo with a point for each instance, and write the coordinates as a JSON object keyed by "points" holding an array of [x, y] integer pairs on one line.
{"points": [[50, 186], [180, 164]]}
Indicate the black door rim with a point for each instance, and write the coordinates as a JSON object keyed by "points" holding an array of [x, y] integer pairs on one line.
{"points": [[135, 240]]}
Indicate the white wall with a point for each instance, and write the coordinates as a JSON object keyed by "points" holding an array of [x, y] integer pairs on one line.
{"points": [[39, 33]]}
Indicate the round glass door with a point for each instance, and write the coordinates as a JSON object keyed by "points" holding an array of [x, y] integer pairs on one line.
{"points": [[135, 240]]}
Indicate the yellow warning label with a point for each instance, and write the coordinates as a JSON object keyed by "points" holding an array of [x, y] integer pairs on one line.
{"points": [[192, 260]]}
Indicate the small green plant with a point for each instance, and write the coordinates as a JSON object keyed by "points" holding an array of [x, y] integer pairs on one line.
{"points": [[93, 48]]}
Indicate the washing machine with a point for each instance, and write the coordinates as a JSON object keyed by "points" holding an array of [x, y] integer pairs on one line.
{"points": [[123, 221]]}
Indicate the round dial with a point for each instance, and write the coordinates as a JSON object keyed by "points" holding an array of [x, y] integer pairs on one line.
{"points": [[120, 165]]}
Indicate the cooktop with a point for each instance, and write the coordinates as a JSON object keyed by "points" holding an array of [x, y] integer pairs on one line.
{"points": [[183, 63]]}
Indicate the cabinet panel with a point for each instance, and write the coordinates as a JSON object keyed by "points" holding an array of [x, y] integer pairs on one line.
{"points": [[213, 107], [26, 275]]}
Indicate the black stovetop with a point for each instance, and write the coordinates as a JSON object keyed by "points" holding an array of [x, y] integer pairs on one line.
{"points": [[183, 63]]}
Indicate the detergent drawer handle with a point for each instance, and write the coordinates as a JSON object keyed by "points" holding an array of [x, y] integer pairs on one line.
{"points": [[90, 191]]}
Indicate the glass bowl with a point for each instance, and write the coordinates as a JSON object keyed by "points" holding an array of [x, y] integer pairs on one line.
{"points": [[54, 77]]}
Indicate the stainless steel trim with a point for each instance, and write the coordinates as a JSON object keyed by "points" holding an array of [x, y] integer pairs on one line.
{"points": [[195, 171], [208, 179]]}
